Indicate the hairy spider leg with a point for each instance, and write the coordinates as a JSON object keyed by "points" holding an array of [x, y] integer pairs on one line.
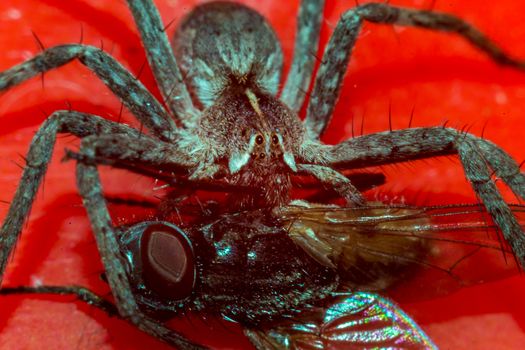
{"points": [[124, 144], [304, 56], [337, 53], [121, 82], [130, 152], [162, 61], [477, 156], [37, 159], [504, 166], [90, 189]]}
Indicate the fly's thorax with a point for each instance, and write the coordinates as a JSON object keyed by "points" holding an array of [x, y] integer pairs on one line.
{"points": [[220, 43], [252, 132], [253, 273]]}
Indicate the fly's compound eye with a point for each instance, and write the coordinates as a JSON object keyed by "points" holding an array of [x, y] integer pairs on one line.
{"points": [[168, 263]]}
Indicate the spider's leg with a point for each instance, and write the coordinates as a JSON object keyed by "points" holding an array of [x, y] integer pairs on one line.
{"points": [[88, 182], [37, 159], [476, 155], [123, 84], [81, 293], [131, 151], [504, 166], [337, 53], [305, 51], [162, 60], [340, 183]]}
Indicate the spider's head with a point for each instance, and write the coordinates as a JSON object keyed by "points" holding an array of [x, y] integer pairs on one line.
{"points": [[253, 132]]}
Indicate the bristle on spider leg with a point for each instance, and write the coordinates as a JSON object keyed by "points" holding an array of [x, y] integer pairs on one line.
{"points": [[411, 116], [81, 39], [390, 115], [141, 69], [352, 125], [121, 109], [484, 128], [363, 115], [170, 23]]}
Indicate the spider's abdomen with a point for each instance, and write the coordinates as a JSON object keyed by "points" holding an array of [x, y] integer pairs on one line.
{"points": [[221, 44]]}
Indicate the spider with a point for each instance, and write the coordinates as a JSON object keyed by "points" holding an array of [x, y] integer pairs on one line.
{"points": [[238, 159]]}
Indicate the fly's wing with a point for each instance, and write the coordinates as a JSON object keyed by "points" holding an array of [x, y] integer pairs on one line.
{"points": [[438, 249], [348, 321]]}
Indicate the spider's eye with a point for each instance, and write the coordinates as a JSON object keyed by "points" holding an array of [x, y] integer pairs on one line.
{"points": [[275, 139], [259, 139], [167, 262]]}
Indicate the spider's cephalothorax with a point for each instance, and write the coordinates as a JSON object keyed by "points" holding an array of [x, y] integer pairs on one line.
{"points": [[232, 61]]}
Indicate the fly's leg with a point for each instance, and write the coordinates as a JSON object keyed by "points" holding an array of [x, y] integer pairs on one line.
{"points": [[37, 159], [162, 61], [337, 53], [306, 45], [88, 182], [121, 82], [79, 292], [478, 157]]}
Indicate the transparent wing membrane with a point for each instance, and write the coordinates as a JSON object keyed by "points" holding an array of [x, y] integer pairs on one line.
{"points": [[349, 321], [437, 249]]}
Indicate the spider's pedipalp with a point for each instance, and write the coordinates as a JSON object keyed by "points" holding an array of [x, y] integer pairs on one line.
{"points": [[340, 183], [38, 156], [337, 53], [121, 82], [476, 155], [162, 61], [305, 51]]}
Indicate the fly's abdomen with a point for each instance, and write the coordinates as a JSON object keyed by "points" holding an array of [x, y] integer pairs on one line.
{"points": [[223, 45]]}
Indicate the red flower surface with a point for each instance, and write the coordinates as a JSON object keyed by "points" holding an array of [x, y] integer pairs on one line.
{"points": [[439, 75]]}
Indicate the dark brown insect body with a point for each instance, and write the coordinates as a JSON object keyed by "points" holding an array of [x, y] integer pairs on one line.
{"points": [[246, 266]]}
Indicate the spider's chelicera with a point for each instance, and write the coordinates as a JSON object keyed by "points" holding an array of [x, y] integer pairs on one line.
{"points": [[225, 123]]}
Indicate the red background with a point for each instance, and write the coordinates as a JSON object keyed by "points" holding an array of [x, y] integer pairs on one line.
{"points": [[439, 75]]}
